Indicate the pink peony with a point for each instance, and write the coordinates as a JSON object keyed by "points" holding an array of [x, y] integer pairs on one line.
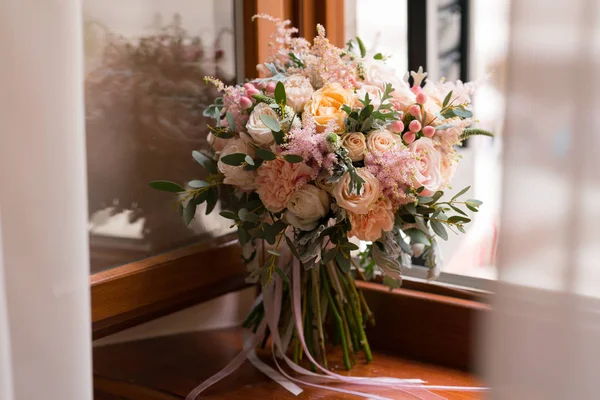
{"points": [[427, 172], [277, 180], [371, 226]]}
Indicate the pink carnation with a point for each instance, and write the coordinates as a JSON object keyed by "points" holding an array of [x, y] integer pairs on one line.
{"points": [[277, 180], [371, 226]]}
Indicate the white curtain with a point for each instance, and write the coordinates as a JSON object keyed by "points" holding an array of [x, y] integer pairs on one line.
{"points": [[543, 340], [45, 338]]}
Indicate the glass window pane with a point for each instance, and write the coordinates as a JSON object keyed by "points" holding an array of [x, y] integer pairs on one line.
{"points": [[144, 94]]}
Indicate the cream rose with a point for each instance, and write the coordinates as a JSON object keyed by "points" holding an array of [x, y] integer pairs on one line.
{"points": [[374, 93], [357, 203], [427, 172], [298, 91], [325, 106], [236, 176], [381, 141], [356, 145], [306, 207], [257, 130]]}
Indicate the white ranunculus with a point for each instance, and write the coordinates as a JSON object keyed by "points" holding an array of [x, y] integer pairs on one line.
{"points": [[306, 207], [236, 176], [257, 129], [298, 91]]}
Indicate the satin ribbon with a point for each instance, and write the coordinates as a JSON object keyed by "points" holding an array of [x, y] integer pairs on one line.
{"points": [[272, 300]]}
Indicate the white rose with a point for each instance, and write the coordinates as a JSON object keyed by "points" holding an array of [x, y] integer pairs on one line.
{"points": [[381, 141], [298, 91], [236, 176], [374, 93], [377, 73], [355, 144], [257, 130], [306, 207], [427, 173]]}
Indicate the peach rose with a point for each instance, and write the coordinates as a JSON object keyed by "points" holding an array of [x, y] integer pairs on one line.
{"points": [[381, 141], [357, 203], [356, 145], [306, 207], [277, 180], [236, 176], [325, 106], [371, 226], [427, 173]]}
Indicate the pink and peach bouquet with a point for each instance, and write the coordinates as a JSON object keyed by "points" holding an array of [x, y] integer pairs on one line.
{"points": [[326, 149]]}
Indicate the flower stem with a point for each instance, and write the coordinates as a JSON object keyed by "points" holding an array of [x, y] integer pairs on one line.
{"points": [[319, 317], [337, 318], [340, 308], [357, 314]]}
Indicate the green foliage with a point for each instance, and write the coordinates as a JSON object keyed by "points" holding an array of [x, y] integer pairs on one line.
{"points": [[265, 154], [205, 161], [474, 132], [367, 118], [447, 99], [270, 122], [361, 47], [235, 159], [293, 158], [297, 62], [280, 97], [167, 186], [214, 110]]}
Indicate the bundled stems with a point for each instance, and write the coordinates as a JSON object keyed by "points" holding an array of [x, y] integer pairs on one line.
{"points": [[319, 316], [338, 320]]}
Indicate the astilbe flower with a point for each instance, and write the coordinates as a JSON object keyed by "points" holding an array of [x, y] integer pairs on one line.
{"points": [[231, 103], [327, 63], [394, 170], [307, 143], [282, 42], [445, 141]]}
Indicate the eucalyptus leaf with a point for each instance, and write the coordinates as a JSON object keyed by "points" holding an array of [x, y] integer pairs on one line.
{"points": [[439, 229], [282, 274], [417, 236], [361, 47], [211, 200], [166, 186], [270, 122], [447, 99], [229, 215], [293, 158], [457, 195], [189, 213], [280, 96], [249, 160], [235, 159], [265, 154], [197, 184], [230, 121]]}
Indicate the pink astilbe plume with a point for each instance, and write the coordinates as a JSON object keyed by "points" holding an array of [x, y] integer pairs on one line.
{"points": [[282, 42], [394, 170], [308, 144], [231, 102]]}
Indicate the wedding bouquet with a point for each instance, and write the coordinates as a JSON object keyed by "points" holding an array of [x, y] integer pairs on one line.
{"points": [[327, 149]]}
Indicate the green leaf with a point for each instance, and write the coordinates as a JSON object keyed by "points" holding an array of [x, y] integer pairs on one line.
{"points": [[278, 136], [361, 47], [292, 247], [211, 200], [242, 214], [209, 164], [417, 236], [280, 97], [166, 186], [343, 261], [462, 112], [425, 200], [282, 274], [229, 215], [242, 235], [329, 255], [460, 228], [180, 209], [293, 158], [249, 160], [444, 126], [367, 111], [439, 229], [197, 184], [410, 207], [474, 202], [419, 190], [190, 212], [458, 210], [270, 122], [265, 154], [457, 195], [222, 133], [230, 121], [378, 56], [472, 207], [447, 99], [235, 159], [458, 218]]}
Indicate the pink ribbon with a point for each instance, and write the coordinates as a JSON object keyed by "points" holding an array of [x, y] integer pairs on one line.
{"points": [[272, 299]]}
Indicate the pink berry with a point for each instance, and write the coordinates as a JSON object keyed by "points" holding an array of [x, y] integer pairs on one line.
{"points": [[261, 85], [414, 126], [415, 111], [416, 89], [409, 137], [249, 86], [421, 98], [428, 131], [245, 103], [270, 87], [252, 92], [397, 126]]}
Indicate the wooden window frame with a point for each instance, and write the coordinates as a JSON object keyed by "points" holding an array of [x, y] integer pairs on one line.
{"points": [[140, 291]]}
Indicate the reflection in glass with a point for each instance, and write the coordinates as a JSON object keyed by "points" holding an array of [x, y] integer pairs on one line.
{"points": [[144, 96]]}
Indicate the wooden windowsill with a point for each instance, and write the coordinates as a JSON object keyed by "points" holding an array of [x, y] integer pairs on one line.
{"points": [[167, 368]]}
